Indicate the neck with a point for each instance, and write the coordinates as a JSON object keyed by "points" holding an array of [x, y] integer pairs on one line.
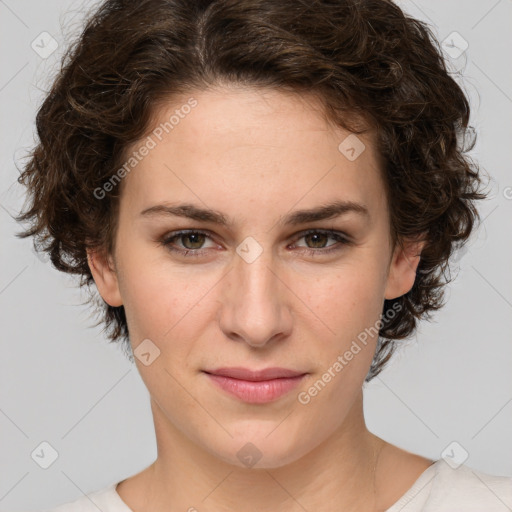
{"points": [[340, 471]]}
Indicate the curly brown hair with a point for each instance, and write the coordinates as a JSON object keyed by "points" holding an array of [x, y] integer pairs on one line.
{"points": [[364, 59]]}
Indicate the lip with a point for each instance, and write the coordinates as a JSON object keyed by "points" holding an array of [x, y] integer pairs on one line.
{"points": [[255, 386], [238, 372]]}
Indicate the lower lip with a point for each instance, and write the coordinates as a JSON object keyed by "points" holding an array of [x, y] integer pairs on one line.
{"points": [[256, 392]]}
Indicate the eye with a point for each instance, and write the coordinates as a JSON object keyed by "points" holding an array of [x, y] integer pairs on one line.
{"points": [[191, 242], [318, 238]]}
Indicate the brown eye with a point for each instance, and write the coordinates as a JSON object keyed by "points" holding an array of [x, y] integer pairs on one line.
{"points": [[190, 243], [186, 243], [318, 239], [196, 240]]}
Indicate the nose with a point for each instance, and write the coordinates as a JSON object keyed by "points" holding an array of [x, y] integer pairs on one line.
{"points": [[256, 302]]}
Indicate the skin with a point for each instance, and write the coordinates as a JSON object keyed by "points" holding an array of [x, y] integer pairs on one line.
{"points": [[257, 155]]}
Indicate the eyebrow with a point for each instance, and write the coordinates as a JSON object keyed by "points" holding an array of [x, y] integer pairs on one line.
{"points": [[327, 211]]}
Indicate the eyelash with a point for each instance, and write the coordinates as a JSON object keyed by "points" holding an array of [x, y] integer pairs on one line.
{"points": [[166, 241]]}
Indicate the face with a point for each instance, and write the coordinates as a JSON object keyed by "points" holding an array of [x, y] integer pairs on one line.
{"points": [[265, 288]]}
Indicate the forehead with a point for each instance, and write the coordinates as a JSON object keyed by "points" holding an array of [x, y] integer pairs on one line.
{"points": [[258, 145], [248, 115]]}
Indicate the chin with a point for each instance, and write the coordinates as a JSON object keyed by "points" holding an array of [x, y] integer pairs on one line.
{"points": [[260, 445]]}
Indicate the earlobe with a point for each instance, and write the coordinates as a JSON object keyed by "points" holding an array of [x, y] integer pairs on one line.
{"points": [[105, 277], [402, 270]]}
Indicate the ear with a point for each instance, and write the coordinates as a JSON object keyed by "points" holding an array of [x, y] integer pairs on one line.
{"points": [[402, 268], [105, 277]]}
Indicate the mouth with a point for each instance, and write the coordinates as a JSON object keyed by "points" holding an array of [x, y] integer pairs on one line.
{"points": [[255, 386]]}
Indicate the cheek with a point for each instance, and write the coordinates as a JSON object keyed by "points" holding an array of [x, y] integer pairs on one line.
{"points": [[348, 299], [150, 293], [351, 306], [155, 305], [163, 302]]}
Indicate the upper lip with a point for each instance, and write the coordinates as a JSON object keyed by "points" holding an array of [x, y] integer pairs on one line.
{"points": [[238, 372]]}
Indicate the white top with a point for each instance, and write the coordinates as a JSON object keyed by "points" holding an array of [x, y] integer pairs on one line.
{"points": [[440, 488]]}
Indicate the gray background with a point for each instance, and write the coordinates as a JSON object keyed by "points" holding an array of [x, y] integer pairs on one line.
{"points": [[62, 383]]}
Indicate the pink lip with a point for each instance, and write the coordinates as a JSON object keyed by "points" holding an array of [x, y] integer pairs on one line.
{"points": [[255, 387]]}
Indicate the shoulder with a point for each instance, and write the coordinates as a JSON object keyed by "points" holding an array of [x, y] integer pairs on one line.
{"points": [[106, 500], [468, 489]]}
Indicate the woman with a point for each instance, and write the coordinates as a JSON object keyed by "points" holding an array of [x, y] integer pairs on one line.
{"points": [[265, 195]]}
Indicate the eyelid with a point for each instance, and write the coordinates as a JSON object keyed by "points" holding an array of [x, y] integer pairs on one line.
{"points": [[167, 237], [342, 240], [333, 233]]}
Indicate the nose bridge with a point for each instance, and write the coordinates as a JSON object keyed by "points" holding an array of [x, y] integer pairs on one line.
{"points": [[253, 275], [253, 307]]}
